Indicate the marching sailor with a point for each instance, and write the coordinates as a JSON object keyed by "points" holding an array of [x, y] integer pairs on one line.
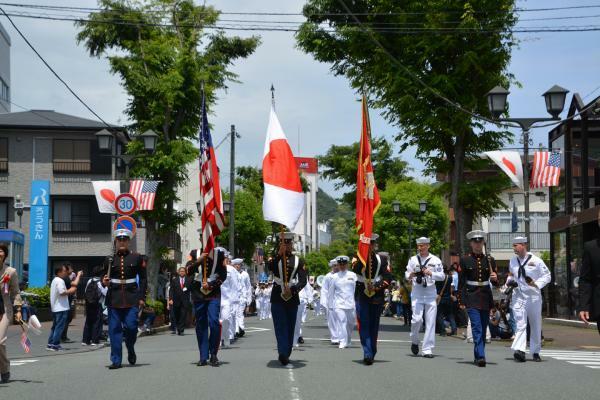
{"points": [[372, 280], [305, 296], [528, 274], [326, 300], [208, 272], [126, 280], [229, 302], [245, 295], [343, 287], [289, 277], [423, 270], [475, 293]]}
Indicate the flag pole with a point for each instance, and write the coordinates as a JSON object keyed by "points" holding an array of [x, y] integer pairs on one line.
{"points": [[273, 96]]}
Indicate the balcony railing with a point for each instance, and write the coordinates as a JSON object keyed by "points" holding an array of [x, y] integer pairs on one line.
{"points": [[65, 227], [503, 240], [72, 166]]}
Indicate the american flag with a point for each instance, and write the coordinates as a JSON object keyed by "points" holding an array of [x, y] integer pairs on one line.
{"points": [[25, 342], [211, 217], [546, 169], [259, 256], [144, 192]]}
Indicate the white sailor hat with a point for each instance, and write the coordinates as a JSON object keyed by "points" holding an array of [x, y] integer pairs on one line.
{"points": [[374, 237], [342, 259], [423, 240], [123, 233], [287, 236], [237, 261], [476, 235], [332, 262], [519, 240]]}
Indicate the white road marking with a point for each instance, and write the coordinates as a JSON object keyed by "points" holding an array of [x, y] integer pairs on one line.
{"points": [[256, 329], [16, 363], [589, 359], [294, 391], [378, 340]]}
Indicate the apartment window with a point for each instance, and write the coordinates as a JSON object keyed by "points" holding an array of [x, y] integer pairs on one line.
{"points": [[3, 214], [72, 156], [78, 215], [3, 154], [71, 215], [4, 91]]}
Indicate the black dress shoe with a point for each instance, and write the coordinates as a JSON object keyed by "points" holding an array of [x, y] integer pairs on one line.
{"points": [[67, 340], [114, 366], [480, 362], [5, 377], [368, 361], [214, 361], [284, 360], [173, 332], [202, 363], [301, 340], [519, 356], [428, 355], [242, 332], [414, 348], [132, 358], [180, 334], [537, 358]]}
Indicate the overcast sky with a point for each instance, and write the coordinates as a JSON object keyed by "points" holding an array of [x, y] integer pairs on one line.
{"points": [[316, 109]]}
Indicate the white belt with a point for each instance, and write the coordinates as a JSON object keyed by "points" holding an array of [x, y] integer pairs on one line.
{"points": [[123, 281], [476, 283]]}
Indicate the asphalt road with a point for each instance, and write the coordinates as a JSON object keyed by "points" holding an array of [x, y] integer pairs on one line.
{"points": [[166, 370]]}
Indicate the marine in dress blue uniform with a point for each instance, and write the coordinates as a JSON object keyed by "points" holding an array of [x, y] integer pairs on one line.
{"points": [[292, 274], [477, 270], [127, 285], [369, 308], [208, 272]]}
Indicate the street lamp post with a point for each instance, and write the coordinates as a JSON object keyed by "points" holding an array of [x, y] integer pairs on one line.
{"points": [[105, 140], [422, 210], [555, 102]]}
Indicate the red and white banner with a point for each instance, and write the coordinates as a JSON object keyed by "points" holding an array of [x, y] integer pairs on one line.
{"points": [[367, 195], [509, 162], [106, 193], [283, 200]]}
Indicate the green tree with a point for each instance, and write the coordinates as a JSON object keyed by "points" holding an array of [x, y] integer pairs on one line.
{"points": [[409, 54], [327, 206], [163, 55], [317, 263], [250, 226], [340, 164], [395, 230]]}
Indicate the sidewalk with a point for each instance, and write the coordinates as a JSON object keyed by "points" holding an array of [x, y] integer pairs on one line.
{"points": [[38, 343]]}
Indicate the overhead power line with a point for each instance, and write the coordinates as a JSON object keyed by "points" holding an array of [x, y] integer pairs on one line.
{"points": [[52, 70], [264, 26]]}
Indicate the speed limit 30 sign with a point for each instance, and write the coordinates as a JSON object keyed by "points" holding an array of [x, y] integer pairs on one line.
{"points": [[125, 204]]}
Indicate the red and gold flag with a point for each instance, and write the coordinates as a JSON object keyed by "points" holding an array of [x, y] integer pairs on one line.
{"points": [[367, 195]]}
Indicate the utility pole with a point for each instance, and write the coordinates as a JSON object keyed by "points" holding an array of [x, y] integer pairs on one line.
{"points": [[233, 134]]}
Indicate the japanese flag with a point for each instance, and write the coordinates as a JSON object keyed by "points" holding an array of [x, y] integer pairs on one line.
{"points": [[283, 201], [509, 162], [106, 192]]}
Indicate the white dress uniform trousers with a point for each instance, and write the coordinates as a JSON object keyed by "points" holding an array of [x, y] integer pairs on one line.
{"points": [[423, 299], [343, 286], [305, 295], [527, 301], [229, 301], [327, 302], [245, 299]]}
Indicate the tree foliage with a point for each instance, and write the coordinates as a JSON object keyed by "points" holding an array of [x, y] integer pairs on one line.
{"points": [[163, 57], [327, 206], [340, 164], [459, 50], [250, 226]]}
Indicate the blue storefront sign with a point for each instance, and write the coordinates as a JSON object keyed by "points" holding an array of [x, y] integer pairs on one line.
{"points": [[38, 233]]}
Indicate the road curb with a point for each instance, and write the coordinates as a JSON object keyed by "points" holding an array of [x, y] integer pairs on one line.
{"points": [[570, 322]]}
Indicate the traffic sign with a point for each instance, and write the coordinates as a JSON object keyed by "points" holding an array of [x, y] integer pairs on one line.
{"points": [[125, 204], [125, 222]]}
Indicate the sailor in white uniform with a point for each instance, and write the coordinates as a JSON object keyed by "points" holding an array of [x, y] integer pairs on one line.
{"points": [[245, 296], [229, 301], [528, 274], [343, 286], [327, 303], [305, 295], [423, 270]]}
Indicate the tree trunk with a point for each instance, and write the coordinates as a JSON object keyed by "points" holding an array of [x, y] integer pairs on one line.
{"points": [[457, 179], [153, 245]]}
